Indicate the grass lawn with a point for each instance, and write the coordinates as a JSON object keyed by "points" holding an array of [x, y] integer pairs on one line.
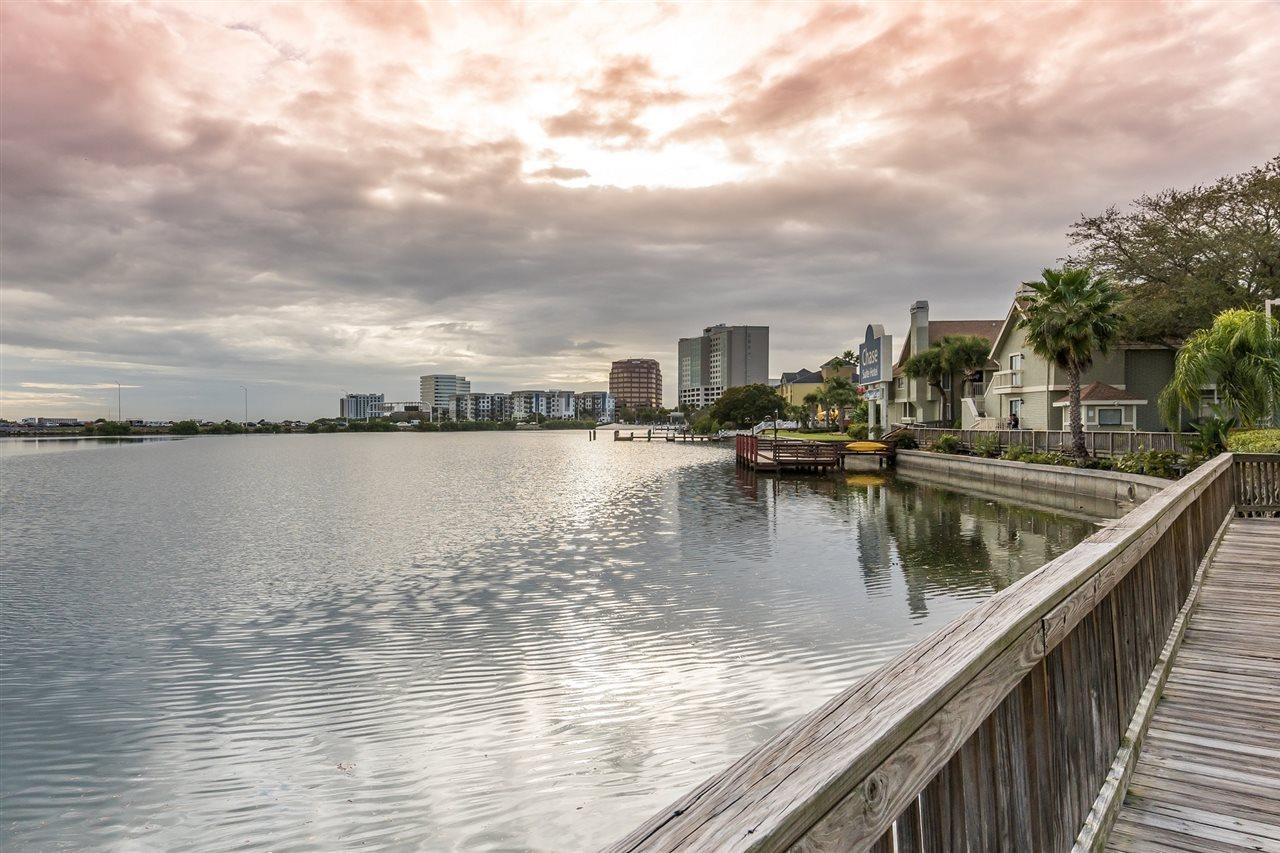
{"points": [[808, 436]]}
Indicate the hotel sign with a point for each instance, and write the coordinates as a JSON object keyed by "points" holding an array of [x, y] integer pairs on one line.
{"points": [[874, 353]]}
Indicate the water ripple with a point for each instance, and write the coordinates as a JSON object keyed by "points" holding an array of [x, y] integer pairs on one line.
{"points": [[492, 642]]}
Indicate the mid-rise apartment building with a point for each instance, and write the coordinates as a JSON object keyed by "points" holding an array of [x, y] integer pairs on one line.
{"points": [[636, 383], [480, 407], [437, 389], [722, 357], [553, 405], [597, 404], [358, 406]]}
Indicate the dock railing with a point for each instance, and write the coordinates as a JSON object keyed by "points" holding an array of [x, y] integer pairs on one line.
{"points": [[996, 733], [1100, 443], [1257, 478]]}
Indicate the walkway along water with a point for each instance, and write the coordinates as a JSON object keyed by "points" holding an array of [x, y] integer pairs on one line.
{"points": [[1016, 727]]}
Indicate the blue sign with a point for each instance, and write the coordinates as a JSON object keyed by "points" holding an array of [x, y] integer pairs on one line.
{"points": [[871, 356]]}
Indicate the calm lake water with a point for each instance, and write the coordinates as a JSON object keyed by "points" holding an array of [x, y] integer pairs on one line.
{"points": [[436, 641]]}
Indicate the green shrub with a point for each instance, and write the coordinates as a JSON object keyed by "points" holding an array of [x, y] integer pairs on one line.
{"points": [[857, 431], [1254, 441], [1151, 463], [906, 441], [1016, 453], [987, 445], [946, 443], [185, 428]]}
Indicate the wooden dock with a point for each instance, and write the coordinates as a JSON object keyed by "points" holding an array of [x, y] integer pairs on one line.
{"points": [[1208, 773], [785, 454]]}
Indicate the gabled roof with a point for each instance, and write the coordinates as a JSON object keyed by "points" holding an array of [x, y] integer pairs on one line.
{"points": [[801, 376], [939, 329], [1101, 392]]}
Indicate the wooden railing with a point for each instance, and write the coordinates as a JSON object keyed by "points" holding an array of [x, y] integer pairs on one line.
{"points": [[1257, 478], [791, 452], [1101, 443], [996, 733]]}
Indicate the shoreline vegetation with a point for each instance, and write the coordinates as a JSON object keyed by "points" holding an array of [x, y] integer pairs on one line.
{"points": [[117, 429]]}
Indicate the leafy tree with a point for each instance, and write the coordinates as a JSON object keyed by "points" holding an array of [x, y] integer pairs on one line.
{"points": [[1181, 257], [1069, 318], [1240, 353], [747, 404], [185, 428]]}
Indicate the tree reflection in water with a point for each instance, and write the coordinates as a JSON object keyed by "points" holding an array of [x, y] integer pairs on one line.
{"points": [[942, 541]]}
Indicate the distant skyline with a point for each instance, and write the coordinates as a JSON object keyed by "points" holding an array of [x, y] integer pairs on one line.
{"points": [[307, 198]]}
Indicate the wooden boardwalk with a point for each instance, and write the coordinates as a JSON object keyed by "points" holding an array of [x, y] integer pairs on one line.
{"points": [[1208, 775]]}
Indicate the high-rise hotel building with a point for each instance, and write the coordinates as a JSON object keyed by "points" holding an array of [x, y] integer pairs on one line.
{"points": [[636, 383], [722, 357]]}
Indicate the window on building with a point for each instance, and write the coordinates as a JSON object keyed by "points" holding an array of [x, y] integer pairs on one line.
{"points": [[1015, 361], [1112, 416], [1015, 407]]}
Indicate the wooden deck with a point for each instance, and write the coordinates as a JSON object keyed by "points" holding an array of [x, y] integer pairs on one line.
{"points": [[1208, 774]]}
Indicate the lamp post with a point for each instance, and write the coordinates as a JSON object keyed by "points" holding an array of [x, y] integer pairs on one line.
{"points": [[246, 404], [1269, 304], [119, 405]]}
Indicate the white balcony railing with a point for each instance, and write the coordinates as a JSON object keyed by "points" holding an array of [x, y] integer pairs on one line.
{"points": [[1006, 381]]}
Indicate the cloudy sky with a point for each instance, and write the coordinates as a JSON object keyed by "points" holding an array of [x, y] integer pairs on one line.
{"points": [[304, 198]]}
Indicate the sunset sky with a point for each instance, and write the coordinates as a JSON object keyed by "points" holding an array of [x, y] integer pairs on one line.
{"points": [[303, 198]]}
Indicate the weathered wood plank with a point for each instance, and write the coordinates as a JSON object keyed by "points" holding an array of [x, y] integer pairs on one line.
{"points": [[1209, 772]]}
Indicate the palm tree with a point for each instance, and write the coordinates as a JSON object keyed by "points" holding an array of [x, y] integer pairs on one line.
{"points": [[965, 354], [1240, 353], [928, 365], [811, 401], [839, 394], [1070, 316]]}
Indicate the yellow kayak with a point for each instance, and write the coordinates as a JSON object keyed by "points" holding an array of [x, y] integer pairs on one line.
{"points": [[867, 446]]}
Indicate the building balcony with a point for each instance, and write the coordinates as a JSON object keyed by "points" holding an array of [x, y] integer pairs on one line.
{"points": [[1006, 381]]}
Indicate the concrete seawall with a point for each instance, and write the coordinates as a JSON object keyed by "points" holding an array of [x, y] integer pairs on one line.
{"points": [[1080, 489]]}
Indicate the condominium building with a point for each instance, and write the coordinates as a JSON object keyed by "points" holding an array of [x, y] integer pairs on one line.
{"points": [[915, 400], [553, 405], [722, 357], [597, 404], [480, 407], [636, 383], [1119, 391], [358, 406], [438, 388]]}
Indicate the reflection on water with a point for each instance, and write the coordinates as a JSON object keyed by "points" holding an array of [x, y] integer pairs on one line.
{"points": [[448, 641], [14, 446]]}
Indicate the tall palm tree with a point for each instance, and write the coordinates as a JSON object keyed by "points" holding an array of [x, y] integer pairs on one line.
{"points": [[1240, 353], [1070, 316]]}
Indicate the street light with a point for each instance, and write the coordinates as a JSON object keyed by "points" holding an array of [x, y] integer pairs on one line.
{"points": [[246, 404], [1269, 304], [119, 406]]}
